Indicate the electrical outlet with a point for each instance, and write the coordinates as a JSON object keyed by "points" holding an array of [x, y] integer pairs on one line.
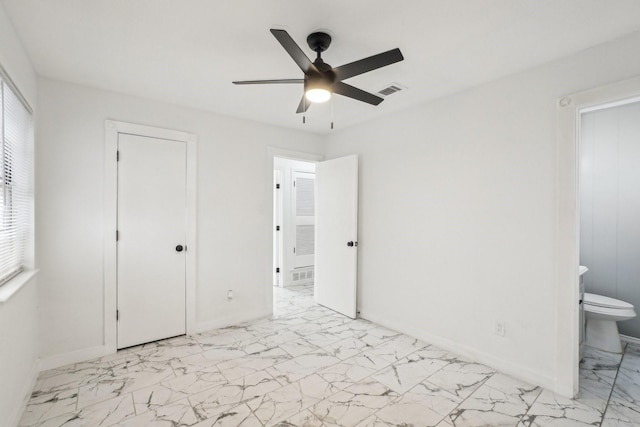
{"points": [[500, 328], [229, 295]]}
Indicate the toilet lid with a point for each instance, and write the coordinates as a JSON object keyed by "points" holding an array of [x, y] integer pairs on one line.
{"points": [[606, 302]]}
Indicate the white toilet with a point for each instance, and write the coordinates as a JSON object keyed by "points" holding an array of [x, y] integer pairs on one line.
{"points": [[601, 314]]}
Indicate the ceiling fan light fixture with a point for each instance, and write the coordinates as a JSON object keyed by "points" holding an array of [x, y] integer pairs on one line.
{"points": [[317, 95], [317, 90]]}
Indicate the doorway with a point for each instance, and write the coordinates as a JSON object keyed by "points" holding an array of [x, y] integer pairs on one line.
{"points": [[293, 234], [335, 236], [570, 109], [609, 157]]}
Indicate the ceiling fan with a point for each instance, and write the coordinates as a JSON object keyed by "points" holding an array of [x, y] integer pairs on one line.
{"points": [[320, 79]]}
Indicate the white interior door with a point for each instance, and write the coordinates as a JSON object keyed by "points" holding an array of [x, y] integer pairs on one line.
{"points": [[336, 234], [151, 238]]}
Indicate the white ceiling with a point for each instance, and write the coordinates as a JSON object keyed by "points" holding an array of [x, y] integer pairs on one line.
{"points": [[187, 52]]}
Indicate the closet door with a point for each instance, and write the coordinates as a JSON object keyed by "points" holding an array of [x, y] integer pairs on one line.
{"points": [[151, 238]]}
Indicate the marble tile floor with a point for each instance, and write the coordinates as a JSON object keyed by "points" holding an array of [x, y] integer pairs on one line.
{"points": [[308, 366]]}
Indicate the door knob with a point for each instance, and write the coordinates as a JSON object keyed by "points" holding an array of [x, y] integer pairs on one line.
{"points": [[179, 248]]}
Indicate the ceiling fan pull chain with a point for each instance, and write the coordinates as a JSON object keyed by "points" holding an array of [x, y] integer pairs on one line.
{"points": [[332, 113]]}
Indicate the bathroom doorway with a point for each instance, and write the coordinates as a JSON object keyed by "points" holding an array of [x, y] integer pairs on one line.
{"points": [[570, 110], [609, 194]]}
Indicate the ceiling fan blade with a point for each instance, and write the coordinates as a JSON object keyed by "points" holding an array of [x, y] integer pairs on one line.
{"points": [[294, 51], [368, 64], [303, 106], [355, 93], [267, 82]]}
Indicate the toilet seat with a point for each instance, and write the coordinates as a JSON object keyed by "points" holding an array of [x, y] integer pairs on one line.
{"points": [[605, 302], [605, 308]]}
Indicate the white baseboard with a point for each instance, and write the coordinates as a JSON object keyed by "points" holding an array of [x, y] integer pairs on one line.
{"points": [[630, 340], [16, 415], [230, 320], [55, 361], [507, 367]]}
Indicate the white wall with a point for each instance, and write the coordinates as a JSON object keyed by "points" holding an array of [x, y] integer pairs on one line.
{"points": [[458, 213], [18, 316], [233, 218], [18, 351]]}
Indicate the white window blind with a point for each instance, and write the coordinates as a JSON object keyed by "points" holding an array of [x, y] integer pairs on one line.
{"points": [[16, 185]]}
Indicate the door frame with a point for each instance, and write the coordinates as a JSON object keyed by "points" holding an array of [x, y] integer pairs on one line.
{"points": [[278, 241], [570, 108], [273, 152], [112, 129]]}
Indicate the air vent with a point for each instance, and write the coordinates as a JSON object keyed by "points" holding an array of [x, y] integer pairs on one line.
{"points": [[301, 276], [391, 89]]}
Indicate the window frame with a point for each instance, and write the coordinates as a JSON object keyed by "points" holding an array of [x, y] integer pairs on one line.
{"points": [[12, 280]]}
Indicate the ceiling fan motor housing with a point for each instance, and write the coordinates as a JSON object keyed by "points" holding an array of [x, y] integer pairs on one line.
{"points": [[319, 41]]}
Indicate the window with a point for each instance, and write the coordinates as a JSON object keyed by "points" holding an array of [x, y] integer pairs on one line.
{"points": [[16, 180]]}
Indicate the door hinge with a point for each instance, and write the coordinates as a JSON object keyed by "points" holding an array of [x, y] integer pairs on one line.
{"points": [[277, 269], [277, 186], [277, 228], [294, 250], [118, 156], [117, 315], [294, 183], [117, 235]]}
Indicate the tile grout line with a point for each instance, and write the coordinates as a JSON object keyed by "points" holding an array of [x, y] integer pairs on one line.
{"points": [[613, 386], [466, 398], [531, 406]]}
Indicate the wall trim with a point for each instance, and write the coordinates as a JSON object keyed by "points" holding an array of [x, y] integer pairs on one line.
{"points": [[13, 286], [29, 385], [112, 129], [76, 356], [568, 223], [514, 369], [630, 340], [232, 320]]}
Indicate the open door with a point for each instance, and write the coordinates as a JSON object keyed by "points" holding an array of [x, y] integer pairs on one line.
{"points": [[336, 234]]}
